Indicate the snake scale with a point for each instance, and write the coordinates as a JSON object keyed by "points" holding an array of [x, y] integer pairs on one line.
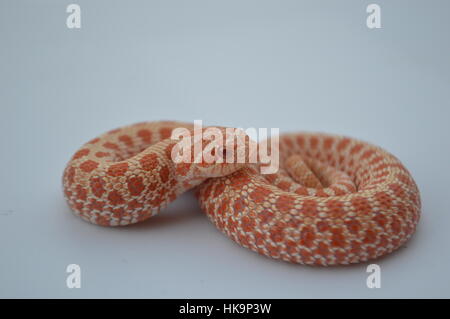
{"points": [[334, 200]]}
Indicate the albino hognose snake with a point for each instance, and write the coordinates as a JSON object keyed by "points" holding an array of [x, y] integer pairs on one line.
{"points": [[360, 202]]}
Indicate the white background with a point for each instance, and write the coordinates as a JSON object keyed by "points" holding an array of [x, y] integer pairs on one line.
{"points": [[295, 65]]}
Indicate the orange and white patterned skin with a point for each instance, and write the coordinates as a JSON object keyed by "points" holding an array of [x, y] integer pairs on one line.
{"points": [[335, 200]]}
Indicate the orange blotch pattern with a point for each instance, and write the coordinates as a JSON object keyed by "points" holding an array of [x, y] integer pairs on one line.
{"points": [[164, 174], [309, 208], [135, 185], [102, 154], [149, 162], [260, 194], [115, 198], [118, 169], [145, 135], [247, 224], [314, 141], [343, 144], [183, 168], [307, 236], [81, 193], [97, 186], [165, 132], [361, 205], [219, 189], [328, 143], [70, 174], [80, 153], [127, 140], [285, 203], [93, 141], [337, 238], [111, 146]]}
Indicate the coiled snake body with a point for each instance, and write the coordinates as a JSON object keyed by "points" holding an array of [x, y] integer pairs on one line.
{"points": [[335, 200]]}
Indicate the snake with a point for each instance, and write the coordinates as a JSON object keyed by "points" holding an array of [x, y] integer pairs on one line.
{"points": [[334, 200]]}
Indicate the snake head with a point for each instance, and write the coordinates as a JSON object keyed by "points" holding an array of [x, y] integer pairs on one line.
{"points": [[216, 152]]}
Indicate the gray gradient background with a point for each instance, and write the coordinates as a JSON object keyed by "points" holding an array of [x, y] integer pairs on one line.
{"points": [[296, 65]]}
